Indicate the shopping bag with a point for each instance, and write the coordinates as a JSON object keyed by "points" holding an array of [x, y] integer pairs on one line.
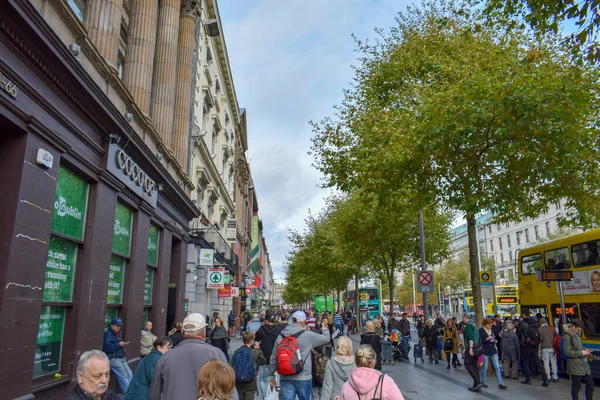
{"points": [[272, 394]]}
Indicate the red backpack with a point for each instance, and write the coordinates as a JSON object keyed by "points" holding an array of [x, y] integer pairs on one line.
{"points": [[288, 358], [556, 343]]}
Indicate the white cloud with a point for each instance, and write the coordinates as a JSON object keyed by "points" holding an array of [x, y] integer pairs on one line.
{"points": [[290, 62]]}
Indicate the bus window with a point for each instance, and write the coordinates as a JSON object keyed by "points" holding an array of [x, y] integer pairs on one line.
{"points": [[585, 254], [534, 310], [532, 263], [557, 259], [572, 312], [590, 315]]}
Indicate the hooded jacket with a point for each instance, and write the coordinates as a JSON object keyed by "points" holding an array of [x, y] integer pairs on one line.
{"points": [[522, 330], [337, 372], [362, 382], [511, 349], [577, 364], [266, 335], [306, 342]]}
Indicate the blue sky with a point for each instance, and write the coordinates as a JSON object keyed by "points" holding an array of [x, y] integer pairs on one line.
{"points": [[290, 61]]}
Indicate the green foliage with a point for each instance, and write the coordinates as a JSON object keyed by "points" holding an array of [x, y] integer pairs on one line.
{"points": [[458, 111], [545, 16]]}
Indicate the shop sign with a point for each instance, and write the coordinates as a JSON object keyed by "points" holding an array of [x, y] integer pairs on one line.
{"points": [[231, 232], [148, 281], [235, 291], [116, 275], [153, 242], [49, 341], [225, 292], [215, 278], [60, 268], [111, 313], [207, 257], [70, 205], [227, 278], [128, 172], [8, 86], [122, 230]]}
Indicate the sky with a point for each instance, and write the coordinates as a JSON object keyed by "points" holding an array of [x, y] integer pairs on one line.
{"points": [[290, 61]]}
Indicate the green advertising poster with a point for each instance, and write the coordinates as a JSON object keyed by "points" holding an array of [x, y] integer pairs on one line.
{"points": [[49, 341], [60, 269], [122, 230], [153, 242], [116, 276], [70, 205], [111, 313], [148, 285]]}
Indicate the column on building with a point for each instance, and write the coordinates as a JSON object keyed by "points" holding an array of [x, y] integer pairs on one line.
{"points": [[103, 23], [190, 13], [139, 62], [165, 59]]}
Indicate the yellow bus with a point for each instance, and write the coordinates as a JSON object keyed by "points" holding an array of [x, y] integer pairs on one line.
{"points": [[579, 254], [507, 301]]}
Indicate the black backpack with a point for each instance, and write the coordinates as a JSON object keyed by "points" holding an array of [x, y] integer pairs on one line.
{"points": [[532, 336]]}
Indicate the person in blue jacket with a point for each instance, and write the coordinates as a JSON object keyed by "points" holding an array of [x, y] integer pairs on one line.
{"points": [[139, 388], [114, 347]]}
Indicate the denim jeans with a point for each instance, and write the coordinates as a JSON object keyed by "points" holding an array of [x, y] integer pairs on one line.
{"points": [[263, 380], [496, 365], [290, 389], [121, 369], [405, 341]]}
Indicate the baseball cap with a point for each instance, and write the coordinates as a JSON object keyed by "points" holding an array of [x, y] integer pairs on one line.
{"points": [[579, 323], [194, 321], [544, 320], [299, 316], [117, 322]]}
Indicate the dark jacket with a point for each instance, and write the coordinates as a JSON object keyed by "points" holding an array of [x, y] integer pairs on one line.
{"points": [[371, 338], [429, 333], [577, 364], [489, 347], [79, 394], [511, 349], [139, 387], [220, 339], [404, 326], [393, 323], [176, 337], [266, 335], [111, 344], [522, 330]]}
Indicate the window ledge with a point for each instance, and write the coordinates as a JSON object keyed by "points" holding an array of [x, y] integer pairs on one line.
{"points": [[49, 382]]}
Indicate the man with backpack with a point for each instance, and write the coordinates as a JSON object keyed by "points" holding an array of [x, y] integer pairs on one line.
{"points": [[292, 356], [577, 360], [529, 339], [245, 362], [547, 338]]}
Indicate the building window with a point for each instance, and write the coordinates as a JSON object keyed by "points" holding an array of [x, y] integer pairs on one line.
{"points": [[557, 205], [547, 228], [518, 234], [536, 232], [68, 228], [209, 57], [507, 224], [78, 8], [498, 228], [500, 243], [493, 259], [502, 258], [511, 275], [491, 245], [526, 235], [508, 241], [213, 144], [510, 258], [490, 228], [121, 250], [125, 16]]}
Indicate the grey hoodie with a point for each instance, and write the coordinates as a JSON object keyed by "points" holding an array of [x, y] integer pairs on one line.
{"points": [[337, 372], [306, 342]]}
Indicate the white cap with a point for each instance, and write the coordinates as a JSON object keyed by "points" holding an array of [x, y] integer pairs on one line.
{"points": [[194, 321], [299, 316]]}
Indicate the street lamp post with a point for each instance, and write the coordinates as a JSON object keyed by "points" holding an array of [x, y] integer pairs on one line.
{"points": [[423, 263]]}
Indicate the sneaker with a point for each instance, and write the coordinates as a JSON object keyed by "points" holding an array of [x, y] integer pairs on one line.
{"points": [[502, 387], [526, 382], [546, 384], [437, 362], [483, 384], [476, 388]]}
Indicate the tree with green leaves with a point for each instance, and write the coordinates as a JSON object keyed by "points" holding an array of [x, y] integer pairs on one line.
{"points": [[471, 115], [383, 236], [545, 16]]}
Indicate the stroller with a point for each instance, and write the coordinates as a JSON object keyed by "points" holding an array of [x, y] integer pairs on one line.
{"points": [[418, 352], [396, 338], [387, 352]]}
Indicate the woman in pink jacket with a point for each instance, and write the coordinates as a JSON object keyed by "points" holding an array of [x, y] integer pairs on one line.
{"points": [[366, 382]]}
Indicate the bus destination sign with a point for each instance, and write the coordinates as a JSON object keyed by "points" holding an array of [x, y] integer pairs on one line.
{"points": [[555, 275]]}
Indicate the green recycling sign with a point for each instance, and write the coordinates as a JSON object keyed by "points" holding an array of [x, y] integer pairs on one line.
{"points": [[216, 278]]}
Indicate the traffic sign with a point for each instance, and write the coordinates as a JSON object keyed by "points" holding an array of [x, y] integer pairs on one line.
{"points": [[425, 281], [216, 278]]}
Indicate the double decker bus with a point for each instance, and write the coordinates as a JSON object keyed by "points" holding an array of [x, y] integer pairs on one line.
{"points": [[368, 300], [578, 254], [507, 301]]}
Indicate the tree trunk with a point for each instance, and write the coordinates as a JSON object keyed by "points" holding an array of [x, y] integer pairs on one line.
{"points": [[474, 266], [339, 296], [356, 303]]}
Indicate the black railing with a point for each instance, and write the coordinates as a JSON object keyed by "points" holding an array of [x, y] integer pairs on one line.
{"points": [[211, 236]]}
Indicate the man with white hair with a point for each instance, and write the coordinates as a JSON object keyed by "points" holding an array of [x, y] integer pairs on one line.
{"points": [[93, 374], [176, 373], [254, 325], [300, 384]]}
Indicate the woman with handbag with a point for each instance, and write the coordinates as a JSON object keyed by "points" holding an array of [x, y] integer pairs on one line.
{"points": [[490, 353], [451, 343], [429, 334], [473, 349], [367, 383]]}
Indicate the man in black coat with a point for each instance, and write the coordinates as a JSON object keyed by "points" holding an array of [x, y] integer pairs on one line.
{"points": [[266, 335]]}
